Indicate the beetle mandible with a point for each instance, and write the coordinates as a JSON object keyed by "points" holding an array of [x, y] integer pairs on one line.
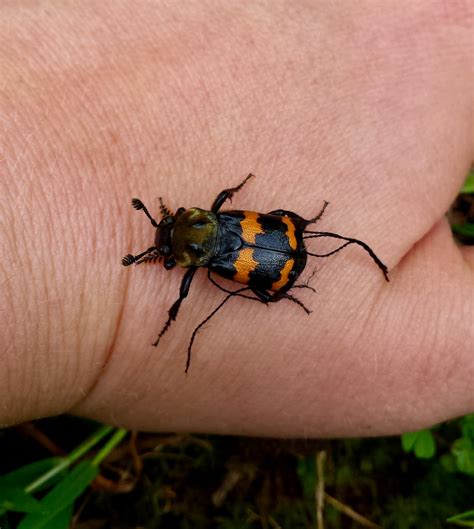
{"points": [[265, 252]]}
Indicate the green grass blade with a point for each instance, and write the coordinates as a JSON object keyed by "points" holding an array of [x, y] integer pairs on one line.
{"points": [[466, 229], [65, 462], [62, 495], [12, 486], [114, 440], [62, 520], [18, 500], [21, 477], [465, 519]]}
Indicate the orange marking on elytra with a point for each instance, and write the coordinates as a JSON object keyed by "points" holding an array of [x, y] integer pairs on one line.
{"points": [[250, 227], [290, 232], [244, 264], [284, 275]]}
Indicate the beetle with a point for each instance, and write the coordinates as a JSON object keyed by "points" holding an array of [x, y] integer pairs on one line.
{"points": [[265, 252]]}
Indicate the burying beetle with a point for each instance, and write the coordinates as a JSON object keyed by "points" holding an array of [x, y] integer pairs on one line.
{"points": [[266, 252]]}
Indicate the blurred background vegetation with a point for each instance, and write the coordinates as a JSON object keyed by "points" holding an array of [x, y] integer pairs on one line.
{"points": [[185, 481], [67, 472]]}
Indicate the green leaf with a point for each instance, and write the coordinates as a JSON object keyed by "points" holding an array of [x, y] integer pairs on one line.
{"points": [[467, 427], [465, 519], [409, 440], [422, 443], [21, 477], [12, 494], [463, 451], [464, 229], [63, 495], [448, 463], [425, 446], [468, 186], [18, 500], [64, 463]]}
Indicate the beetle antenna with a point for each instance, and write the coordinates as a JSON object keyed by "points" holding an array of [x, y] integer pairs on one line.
{"points": [[367, 248], [139, 205], [227, 194], [213, 313], [131, 259], [306, 284]]}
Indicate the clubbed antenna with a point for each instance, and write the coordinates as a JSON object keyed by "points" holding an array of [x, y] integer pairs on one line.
{"points": [[128, 260], [139, 205], [148, 255]]}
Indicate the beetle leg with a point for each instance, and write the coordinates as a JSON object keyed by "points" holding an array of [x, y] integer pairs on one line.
{"points": [[305, 286], [285, 213], [318, 216], [285, 295], [263, 295], [220, 287], [228, 193], [292, 215], [328, 253], [183, 292], [306, 283], [349, 240], [165, 212], [267, 297], [196, 330]]}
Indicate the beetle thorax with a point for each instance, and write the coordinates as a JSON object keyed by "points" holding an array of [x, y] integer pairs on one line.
{"points": [[194, 237]]}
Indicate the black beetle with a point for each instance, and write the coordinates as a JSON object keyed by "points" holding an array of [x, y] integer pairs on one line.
{"points": [[265, 252]]}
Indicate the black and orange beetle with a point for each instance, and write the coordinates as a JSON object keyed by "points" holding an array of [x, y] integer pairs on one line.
{"points": [[265, 252]]}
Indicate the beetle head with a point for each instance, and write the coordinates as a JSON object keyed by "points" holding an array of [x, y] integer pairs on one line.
{"points": [[194, 237], [187, 237], [163, 238]]}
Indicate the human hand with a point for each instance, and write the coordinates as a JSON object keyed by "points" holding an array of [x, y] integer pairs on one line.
{"points": [[368, 106]]}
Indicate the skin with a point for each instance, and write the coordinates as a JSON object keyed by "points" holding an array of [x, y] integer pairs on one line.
{"points": [[367, 105]]}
